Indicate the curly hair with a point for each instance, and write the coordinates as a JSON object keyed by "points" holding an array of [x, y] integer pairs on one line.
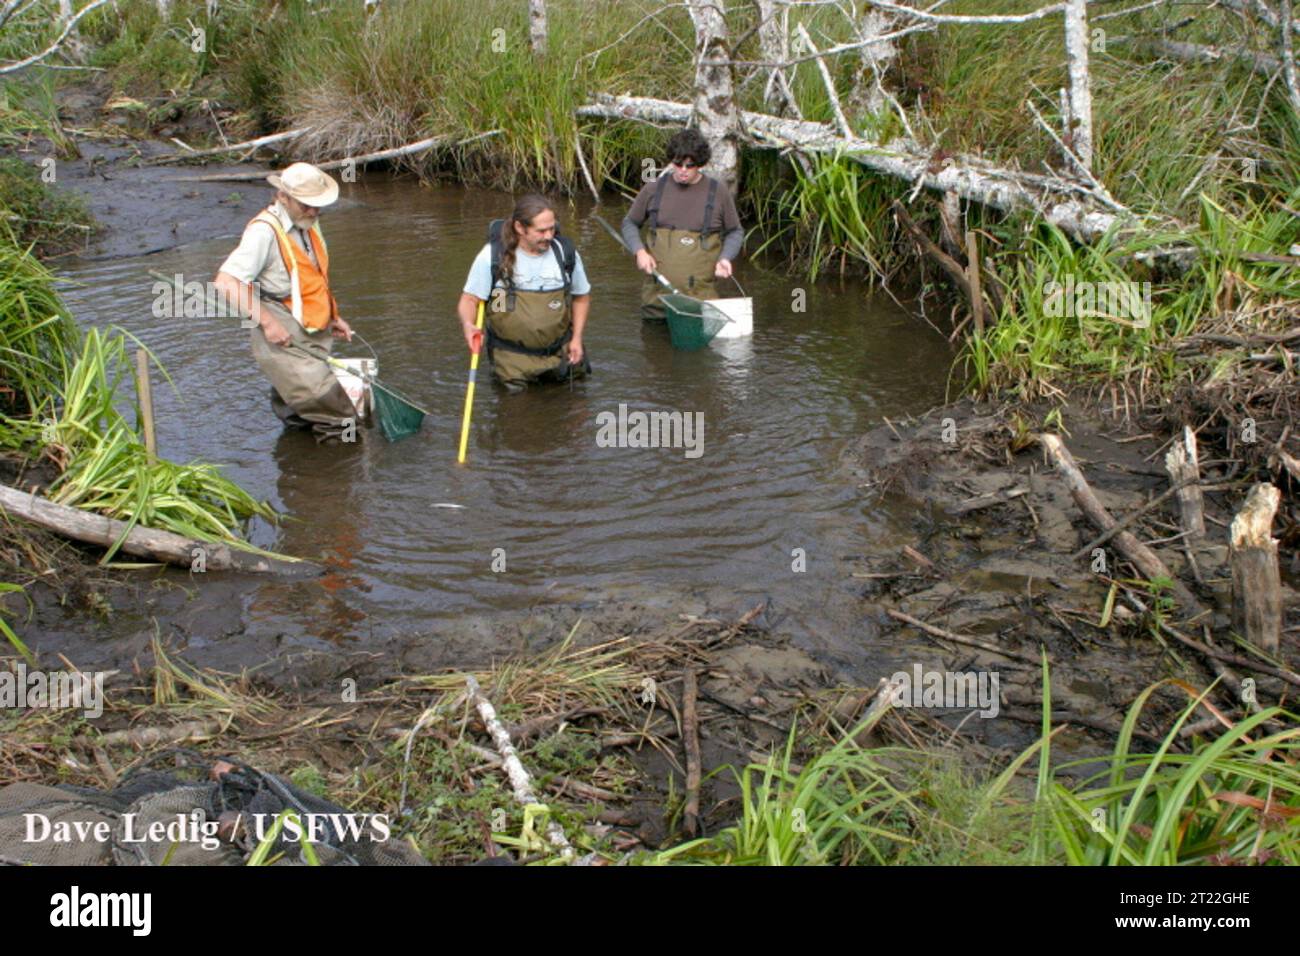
{"points": [[689, 144]]}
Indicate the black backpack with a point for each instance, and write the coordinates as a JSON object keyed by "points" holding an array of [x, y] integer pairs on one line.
{"points": [[565, 253]]}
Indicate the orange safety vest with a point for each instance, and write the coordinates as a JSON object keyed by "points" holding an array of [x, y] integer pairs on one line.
{"points": [[310, 300]]}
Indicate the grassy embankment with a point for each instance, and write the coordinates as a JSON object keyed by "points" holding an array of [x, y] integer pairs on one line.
{"points": [[59, 422], [855, 785]]}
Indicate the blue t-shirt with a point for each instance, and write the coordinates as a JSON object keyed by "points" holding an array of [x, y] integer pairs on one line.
{"points": [[532, 273]]}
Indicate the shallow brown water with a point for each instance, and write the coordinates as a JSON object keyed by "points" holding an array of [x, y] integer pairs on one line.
{"points": [[577, 523]]}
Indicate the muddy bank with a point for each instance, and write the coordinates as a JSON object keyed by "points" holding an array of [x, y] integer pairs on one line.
{"points": [[996, 557], [598, 708], [143, 207]]}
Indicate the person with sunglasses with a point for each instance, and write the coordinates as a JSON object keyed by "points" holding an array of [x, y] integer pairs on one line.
{"points": [[683, 225]]}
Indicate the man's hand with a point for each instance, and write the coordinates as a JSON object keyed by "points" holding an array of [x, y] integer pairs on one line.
{"points": [[645, 262], [275, 333], [723, 269], [340, 329], [473, 336], [575, 351]]}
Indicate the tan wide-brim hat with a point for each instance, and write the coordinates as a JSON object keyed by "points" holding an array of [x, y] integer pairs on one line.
{"points": [[307, 184]]}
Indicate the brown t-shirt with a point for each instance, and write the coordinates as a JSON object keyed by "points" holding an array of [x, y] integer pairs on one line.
{"points": [[683, 208]]}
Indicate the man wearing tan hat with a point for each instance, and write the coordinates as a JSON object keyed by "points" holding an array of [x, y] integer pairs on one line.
{"points": [[279, 278]]}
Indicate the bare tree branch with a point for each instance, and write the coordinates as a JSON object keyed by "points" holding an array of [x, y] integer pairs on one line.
{"points": [[63, 36], [840, 120]]}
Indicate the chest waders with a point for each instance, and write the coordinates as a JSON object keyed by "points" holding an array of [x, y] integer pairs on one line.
{"points": [[528, 332], [303, 389], [686, 257]]}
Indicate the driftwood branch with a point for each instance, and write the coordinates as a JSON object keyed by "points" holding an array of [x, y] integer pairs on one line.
{"points": [[520, 782], [691, 741], [142, 542], [247, 146], [836, 110], [1143, 558], [946, 635], [143, 737], [1128, 521], [1079, 118], [1184, 469], [409, 149], [68, 28]]}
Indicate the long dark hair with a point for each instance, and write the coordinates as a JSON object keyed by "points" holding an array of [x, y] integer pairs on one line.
{"points": [[527, 209]]}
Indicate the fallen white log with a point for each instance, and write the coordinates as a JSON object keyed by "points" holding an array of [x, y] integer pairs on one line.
{"points": [[408, 150], [520, 782], [1070, 206], [247, 146], [140, 541]]}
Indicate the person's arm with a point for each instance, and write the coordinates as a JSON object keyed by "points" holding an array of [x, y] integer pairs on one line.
{"points": [[236, 277], [631, 229], [733, 237], [732, 240], [467, 311], [581, 307], [632, 234], [241, 296], [478, 288]]}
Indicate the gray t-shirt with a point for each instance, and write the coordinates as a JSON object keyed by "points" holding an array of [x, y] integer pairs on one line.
{"points": [[683, 208], [532, 273]]}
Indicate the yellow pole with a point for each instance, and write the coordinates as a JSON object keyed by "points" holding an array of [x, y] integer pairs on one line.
{"points": [[469, 390]]}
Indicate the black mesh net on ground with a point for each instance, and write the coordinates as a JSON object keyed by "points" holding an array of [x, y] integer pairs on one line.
{"points": [[182, 808]]}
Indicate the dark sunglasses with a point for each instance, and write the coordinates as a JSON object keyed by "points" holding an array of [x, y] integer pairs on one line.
{"points": [[686, 164]]}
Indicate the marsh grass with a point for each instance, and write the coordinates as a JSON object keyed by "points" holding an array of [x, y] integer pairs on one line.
{"points": [[1229, 798], [1038, 348], [106, 468], [35, 332], [1233, 798]]}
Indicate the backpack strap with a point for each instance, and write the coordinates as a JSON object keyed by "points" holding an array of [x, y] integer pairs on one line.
{"points": [[496, 244], [494, 241], [566, 254], [708, 207], [652, 214]]}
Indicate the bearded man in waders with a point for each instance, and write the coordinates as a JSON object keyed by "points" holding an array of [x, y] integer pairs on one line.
{"points": [[537, 298], [692, 232], [279, 278]]}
